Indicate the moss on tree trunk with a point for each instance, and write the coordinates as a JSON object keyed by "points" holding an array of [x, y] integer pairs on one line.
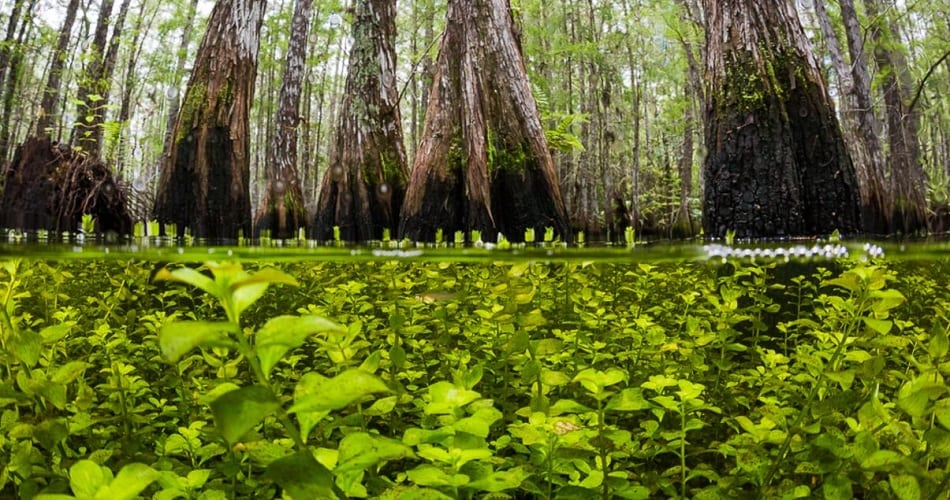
{"points": [[483, 162], [776, 164], [363, 188], [205, 175]]}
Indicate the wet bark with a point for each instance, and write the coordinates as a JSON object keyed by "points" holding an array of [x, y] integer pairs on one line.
{"points": [[204, 179], [282, 209], [365, 182], [777, 165], [483, 162], [50, 186]]}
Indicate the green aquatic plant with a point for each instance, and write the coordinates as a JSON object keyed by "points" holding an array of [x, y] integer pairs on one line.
{"points": [[237, 410], [466, 380]]}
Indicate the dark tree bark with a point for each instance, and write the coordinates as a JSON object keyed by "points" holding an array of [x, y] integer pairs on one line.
{"points": [[90, 105], [908, 180], [777, 165], [204, 180], [175, 100], [483, 162], [365, 182], [50, 100], [50, 186], [282, 209]]}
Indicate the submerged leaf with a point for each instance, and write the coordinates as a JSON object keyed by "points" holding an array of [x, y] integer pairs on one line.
{"points": [[130, 481], [360, 451], [178, 338], [302, 476], [283, 333], [238, 411], [323, 393], [191, 277]]}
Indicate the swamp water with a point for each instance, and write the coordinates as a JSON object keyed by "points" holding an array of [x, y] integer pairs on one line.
{"points": [[655, 372]]}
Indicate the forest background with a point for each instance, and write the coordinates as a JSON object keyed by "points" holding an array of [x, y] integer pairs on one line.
{"points": [[619, 85]]}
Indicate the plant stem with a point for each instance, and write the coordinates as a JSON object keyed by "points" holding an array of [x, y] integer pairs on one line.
{"points": [[683, 448], [832, 362]]}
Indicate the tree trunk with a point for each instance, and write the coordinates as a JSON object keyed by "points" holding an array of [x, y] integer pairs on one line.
{"points": [[908, 181], [90, 105], [876, 200], [777, 165], [365, 182], [6, 48], [106, 73], [51, 94], [15, 63], [204, 178], [128, 88], [483, 162], [282, 209]]}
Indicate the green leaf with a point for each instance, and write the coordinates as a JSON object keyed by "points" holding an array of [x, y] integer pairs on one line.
{"points": [[26, 347], [283, 333], [268, 275], [178, 338], [87, 477], [882, 460], [332, 394], [360, 451], [413, 493], [430, 475], [629, 399], [500, 480], [54, 333], [595, 380], [480, 423], [238, 411], [843, 378], [915, 395], [191, 277], [446, 397], [246, 288], [886, 300], [881, 326], [938, 441], [938, 342], [568, 406], [837, 487], [247, 295], [547, 347], [905, 486], [302, 476], [129, 482], [50, 432], [69, 372]]}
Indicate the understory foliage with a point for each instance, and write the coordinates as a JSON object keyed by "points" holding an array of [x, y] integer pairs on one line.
{"points": [[391, 379]]}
